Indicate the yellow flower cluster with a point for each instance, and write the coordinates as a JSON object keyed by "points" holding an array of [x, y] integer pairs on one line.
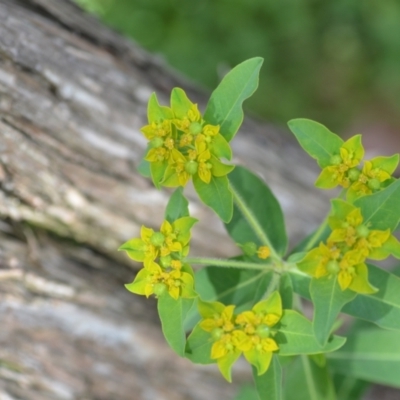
{"points": [[250, 333], [350, 243], [345, 170], [182, 144], [167, 247]]}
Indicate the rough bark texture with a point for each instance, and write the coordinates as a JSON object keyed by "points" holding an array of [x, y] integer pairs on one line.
{"points": [[73, 96]]}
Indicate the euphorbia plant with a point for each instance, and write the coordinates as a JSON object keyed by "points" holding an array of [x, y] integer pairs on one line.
{"points": [[250, 305]]}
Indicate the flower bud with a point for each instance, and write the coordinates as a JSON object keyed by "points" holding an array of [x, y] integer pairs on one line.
{"points": [[159, 288], [354, 174], [195, 128], [335, 160], [263, 331], [217, 333], [157, 239], [362, 231], [249, 248], [191, 167], [165, 261], [374, 184], [332, 267], [156, 142]]}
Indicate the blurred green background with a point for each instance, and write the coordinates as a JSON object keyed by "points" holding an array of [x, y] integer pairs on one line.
{"points": [[332, 61]]}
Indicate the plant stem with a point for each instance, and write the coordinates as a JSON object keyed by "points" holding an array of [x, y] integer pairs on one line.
{"points": [[229, 263], [257, 228], [273, 284]]}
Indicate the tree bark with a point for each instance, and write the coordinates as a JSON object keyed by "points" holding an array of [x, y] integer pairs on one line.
{"points": [[73, 96]]}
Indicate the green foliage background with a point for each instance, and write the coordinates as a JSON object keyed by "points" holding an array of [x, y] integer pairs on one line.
{"points": [[325, 60]]}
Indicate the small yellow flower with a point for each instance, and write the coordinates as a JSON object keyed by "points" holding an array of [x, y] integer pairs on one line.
{"points": [[188, 122], [153, 279], [370, 179], [158, 154], [210, 130], [178, 165], [176, 264], [186, 140], [338, 172], [228, 343], [263, 252], [154, 129], [222, 319], [374, 240]]}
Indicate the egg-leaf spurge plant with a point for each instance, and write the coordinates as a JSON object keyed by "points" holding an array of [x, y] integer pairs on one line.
{"points": [[250, 305]]}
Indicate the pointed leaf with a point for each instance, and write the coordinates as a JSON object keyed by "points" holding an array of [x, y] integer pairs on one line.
{"points": [[370, 354], [144, 168], [155, 112], [247, 392], [225, 105], [180, 103], [157, 170], [216, 195], [349, 388], [198, 346], [382, 209], [172, 314], [383, 307], [259, 215], [225, 364], [317, 140], [296, 336], [220, 147], [305, 380], [269, 385], [178, 206], [328, 300]]}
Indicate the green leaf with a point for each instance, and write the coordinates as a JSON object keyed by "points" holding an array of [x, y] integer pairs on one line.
{"points": [[305, 380], [180, 103], [198, 346], [301, 283], [258, 218], [216, 194], [328, 300], [296, 336], [388, 164], [220, 147], [247, 392], [349, 388], [155, 112], [269, 385], [172, 314], [225, 105], [317, 140], [157, 170], [382, 209], [286, 291], [370, 354], [177, 207], [381, 308], [144, 168]]}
